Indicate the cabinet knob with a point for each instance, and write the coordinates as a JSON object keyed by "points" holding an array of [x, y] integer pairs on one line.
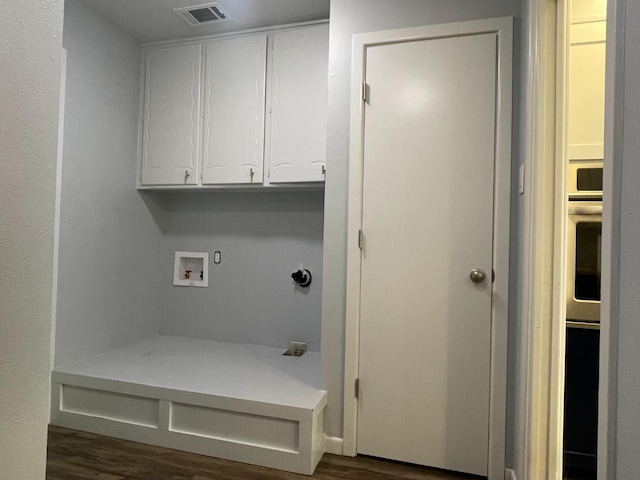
{"points": [[251, 173], [186, 175], [324, 170]]}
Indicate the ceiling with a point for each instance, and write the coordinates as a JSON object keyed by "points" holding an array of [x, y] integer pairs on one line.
{"points": [[155, 20]]}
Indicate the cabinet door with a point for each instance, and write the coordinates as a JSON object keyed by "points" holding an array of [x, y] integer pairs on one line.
{"points": [[586, 91], [171, 116], [298, 124], [234, 110]]}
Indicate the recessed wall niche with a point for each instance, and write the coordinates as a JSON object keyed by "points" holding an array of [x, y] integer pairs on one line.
{"points": [[191, 269]]}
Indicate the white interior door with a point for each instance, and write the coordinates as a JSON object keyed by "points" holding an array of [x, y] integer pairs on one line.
{"points": [[427, 218]]}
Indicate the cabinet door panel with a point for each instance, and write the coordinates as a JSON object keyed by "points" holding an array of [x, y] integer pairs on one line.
{"points": [[234, 110], [299, 105], [586, 91], [171, 121], [588, 10]]}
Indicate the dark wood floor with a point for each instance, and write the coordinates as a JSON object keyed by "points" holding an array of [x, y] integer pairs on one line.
{"points": [[74, 455]]}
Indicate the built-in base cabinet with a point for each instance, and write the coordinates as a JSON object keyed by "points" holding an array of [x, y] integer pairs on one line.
{"points": [[281, 437], [581, 400], [240, 110], [245, 403]]}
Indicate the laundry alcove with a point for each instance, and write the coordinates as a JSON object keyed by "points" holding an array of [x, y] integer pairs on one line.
{"points": [[137, 357]]}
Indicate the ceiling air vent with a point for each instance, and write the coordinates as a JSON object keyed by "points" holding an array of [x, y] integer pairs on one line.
{"points": [[203, 14]]}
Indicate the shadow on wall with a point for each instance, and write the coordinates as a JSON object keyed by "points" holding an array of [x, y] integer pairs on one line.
{"points": [[272, 214]]}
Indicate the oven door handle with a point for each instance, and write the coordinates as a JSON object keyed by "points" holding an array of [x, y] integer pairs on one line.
{"points": [[585, 209], [587, 325]]}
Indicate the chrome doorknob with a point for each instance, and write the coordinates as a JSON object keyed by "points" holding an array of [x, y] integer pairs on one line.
{"points": [[477, 275]]}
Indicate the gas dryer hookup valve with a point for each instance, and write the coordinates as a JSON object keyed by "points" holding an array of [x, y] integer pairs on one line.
{"points": [[302, 277]]}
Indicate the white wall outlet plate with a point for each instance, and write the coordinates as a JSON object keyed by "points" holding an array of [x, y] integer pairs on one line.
{"points": [[191, 269]]}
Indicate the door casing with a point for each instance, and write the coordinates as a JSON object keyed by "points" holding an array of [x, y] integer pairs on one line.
{"points": [[540, 405], [503, 29]]}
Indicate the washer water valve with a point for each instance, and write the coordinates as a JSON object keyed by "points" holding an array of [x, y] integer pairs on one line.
{"points": [[302, 277]]}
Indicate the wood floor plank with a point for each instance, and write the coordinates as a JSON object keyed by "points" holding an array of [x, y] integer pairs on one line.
{"points": [[74, 455]]}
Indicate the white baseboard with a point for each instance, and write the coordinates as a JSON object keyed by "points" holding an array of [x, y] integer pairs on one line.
{"points": [[509, 474], [334, 446]]}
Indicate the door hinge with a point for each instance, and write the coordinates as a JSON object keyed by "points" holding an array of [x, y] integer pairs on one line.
{"points": [[360, 239], [365, 92], [357, 388]]}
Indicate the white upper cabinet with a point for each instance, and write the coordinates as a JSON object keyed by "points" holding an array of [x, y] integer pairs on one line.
{"points": [[586, 78], [234, 92], [171, 115], [298, 120], [240, 110], [583, 11]]}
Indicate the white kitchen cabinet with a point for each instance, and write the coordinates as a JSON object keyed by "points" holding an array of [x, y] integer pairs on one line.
{"points": [[234, 92], [583, 11], [171, 128], [586, 91], [298, 119]]}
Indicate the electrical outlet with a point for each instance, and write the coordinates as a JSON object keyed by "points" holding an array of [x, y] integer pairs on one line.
{"points": [[297, 348]]}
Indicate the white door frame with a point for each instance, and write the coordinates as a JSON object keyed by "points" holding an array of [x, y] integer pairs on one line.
{"points": [[503, 29], [615, 99], [542, 335], [541, 340]]}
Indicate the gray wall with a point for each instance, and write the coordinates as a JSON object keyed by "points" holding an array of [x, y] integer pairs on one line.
{"points": [[349, 17], [30, 66], [109, 271], [262, 237], [621, 302]]}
